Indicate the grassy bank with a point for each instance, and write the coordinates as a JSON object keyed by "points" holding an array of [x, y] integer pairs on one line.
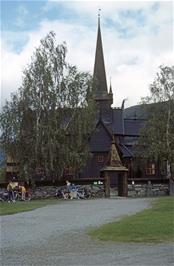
{"points": [[151, 225], [22, 206]]}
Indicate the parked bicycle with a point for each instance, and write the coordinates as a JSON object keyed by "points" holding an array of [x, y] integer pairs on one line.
{"points": [[76, 193], [3, 196], [17, 196]]}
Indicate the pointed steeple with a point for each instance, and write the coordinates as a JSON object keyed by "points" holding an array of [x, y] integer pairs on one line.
{"points": [[99, 67]]}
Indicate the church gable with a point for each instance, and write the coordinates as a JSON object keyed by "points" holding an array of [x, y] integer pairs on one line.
{"points": [[118, 123], [100, 140]]}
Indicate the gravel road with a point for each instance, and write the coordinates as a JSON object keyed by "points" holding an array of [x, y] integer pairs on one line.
{"points": [[56, 235]]}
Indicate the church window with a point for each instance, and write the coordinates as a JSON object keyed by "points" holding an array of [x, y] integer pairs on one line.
{"points": [[100, 158], [150, 170], [68, 171]]}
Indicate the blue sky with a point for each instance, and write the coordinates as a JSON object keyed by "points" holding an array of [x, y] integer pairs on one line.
{"points": [[137, 38]]}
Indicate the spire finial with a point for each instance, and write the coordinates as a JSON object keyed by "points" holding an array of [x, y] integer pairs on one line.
{"points": [[99, 10]]}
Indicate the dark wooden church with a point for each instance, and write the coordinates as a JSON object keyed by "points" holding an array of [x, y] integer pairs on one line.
{"points": [[122, 125]]}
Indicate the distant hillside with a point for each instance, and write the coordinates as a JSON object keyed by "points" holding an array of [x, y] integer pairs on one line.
{"points": [[136, 112], [142, 111]]}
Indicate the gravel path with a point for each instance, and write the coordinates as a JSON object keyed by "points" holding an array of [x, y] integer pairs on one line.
{"points": [[55, 235]]}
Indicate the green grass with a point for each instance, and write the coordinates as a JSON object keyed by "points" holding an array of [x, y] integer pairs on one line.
{"points": [[151, 225], [23, 206]]}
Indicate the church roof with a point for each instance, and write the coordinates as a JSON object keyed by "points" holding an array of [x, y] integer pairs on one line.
{"points": [[132, 127], [118, 122], [100, 138], [126, 152], [126, 126]]}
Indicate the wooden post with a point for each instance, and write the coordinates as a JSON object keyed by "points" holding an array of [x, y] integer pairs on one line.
{"points": [[107, 185], [125, 185]]}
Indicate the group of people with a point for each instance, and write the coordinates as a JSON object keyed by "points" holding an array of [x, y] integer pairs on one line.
{"points": [[71, 191], [13, 189]]}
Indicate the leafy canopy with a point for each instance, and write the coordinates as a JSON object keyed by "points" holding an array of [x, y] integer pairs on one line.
{"points": [[158, 136], [46, 124]]}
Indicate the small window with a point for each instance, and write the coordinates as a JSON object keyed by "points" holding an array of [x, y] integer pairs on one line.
{"points": [[100, 158], [68, 171], [150, 170]]}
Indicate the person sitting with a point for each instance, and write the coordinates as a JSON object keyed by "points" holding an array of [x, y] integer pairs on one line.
{"points": [[23, 192], [73, 192], [73, 188]]}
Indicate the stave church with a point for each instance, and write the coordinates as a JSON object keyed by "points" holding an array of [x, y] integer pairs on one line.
{"points": [[115, 127]]}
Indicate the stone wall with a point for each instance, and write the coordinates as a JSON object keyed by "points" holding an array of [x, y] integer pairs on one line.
{"points": [[95, 191], [148, 190], [43, 192]]}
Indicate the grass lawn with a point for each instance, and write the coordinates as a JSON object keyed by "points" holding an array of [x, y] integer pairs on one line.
{"points": [[22, 206], [151, 225]]}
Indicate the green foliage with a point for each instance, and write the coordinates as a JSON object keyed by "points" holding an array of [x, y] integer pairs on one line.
{"points": [[158, 136], [151, 225], [47, 123]]}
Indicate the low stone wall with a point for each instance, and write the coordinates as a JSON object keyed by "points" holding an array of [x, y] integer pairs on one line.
{"points": [[95, 191], [43, 192], [147, 190]]}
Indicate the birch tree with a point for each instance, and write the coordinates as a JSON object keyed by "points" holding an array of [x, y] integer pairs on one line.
{"points": [[158, 135], [47, 123]]}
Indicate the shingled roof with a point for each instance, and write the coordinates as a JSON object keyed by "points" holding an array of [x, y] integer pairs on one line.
{"points": [[114, 163], [132, 127], [118, 125]]}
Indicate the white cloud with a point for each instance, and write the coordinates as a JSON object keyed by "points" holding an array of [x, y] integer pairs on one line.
{"points": [[132, 63], [22, 14]]}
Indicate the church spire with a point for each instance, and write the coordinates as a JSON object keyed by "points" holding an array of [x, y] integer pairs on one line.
{"points": [[99, 67]]}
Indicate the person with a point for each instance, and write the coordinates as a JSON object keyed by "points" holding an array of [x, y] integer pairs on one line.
{"points": [[66, 193], [23, 192], [68, 185], [28, 193], [73, 191], [73, 188], [10, 191]]}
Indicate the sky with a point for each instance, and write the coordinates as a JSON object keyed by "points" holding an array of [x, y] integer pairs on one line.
{"points": [[137, 38]]}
